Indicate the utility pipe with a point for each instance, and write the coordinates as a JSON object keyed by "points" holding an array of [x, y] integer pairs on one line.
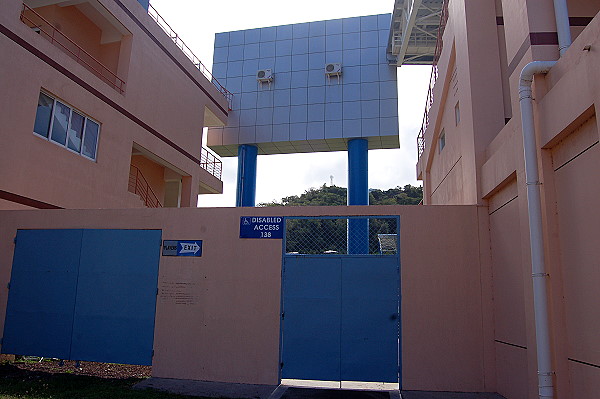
{"points": [[538, 269], [534, 207], [563, 27]]}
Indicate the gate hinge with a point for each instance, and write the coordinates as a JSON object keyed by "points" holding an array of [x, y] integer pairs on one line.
{"points": [[15, 240], [156, 291], [283, 315], [281, 365], [8, 286]]}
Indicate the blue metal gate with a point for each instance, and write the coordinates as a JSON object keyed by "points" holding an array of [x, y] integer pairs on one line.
{"points": [[83, 295], [340, 314]]}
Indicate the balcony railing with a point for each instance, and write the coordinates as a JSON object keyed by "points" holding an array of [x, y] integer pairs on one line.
{"points": [[160, 21], [433, 77], [211, 163], [139, 185], [38, 23]]}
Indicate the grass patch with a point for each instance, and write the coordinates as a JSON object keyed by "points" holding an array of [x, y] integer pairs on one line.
{"points": [[22, 384]]}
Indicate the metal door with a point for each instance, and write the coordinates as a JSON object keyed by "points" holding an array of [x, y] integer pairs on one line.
{"points": [[340, 319], [83, 295], [42, 290], [116, 296]]}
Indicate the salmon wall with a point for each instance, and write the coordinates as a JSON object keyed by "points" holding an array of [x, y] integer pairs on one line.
{"points": [[217, 316], [161, 109]]}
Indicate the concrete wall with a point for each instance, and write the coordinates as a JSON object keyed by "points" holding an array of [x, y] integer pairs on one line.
{"points": [[485, 159], [218, 315], [510, 335], [161, 109]]}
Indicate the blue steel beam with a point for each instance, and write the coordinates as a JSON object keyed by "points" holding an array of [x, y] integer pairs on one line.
{"points": [[358, 194], [246, 177]]}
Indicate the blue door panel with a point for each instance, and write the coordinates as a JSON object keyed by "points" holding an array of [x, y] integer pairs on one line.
{"points": [[84, 295], [41, 299], [341, 318], [311, 346], [370, 290], [116, 297]]}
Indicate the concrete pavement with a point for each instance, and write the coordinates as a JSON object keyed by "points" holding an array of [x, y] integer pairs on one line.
{"points": [[249, 391]]}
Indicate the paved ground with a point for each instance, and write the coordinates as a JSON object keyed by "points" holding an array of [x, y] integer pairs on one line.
{"points": [[208, 389], [449, 395], [315, 393], [248, 391]]}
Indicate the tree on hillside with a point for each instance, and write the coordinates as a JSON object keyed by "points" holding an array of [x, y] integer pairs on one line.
{"points": [[335, 195]]}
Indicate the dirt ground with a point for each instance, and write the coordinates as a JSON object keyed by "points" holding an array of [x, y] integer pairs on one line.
{"points": [[102, 370]]}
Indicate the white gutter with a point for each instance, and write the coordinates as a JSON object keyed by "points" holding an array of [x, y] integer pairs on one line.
{"points": [[534, 207], [538, 269], [563, 28]]}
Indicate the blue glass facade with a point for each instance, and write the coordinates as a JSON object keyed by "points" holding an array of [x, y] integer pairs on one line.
{"points": [[302, 109]]}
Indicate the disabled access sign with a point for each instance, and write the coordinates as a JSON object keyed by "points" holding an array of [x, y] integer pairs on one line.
{"points": [[261, 227]]}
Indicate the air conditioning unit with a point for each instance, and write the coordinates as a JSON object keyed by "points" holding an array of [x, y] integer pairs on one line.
{"points": [[333, 69], [264, 75]]}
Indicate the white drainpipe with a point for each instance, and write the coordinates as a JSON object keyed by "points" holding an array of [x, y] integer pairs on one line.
{"points": [[538, 270], [563, 28], [534, 207]]}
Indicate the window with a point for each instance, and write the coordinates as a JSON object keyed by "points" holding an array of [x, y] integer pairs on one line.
{"points": [[457, 113], [442, 140], [66, 126]]}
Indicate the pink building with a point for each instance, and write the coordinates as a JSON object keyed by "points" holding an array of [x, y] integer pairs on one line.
{"points": [[120, 109], [471, 152], [477, 311]]}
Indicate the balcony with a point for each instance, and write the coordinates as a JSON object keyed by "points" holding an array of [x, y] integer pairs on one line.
{"points": [[211, 163], [162, 184], [85, 32], [140, 186], [160, 21], [433, 78]]}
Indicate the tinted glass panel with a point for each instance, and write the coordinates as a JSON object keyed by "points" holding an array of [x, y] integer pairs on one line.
{"points": [[43, 115], [60, 123], [90, 139], [75, 131]]}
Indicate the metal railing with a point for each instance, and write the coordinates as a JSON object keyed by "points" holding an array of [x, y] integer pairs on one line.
{"points": [[211, 163], [38, 23], [160, 21], [139, 185], [433, 78]]}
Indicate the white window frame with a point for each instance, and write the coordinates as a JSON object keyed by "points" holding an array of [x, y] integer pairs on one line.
{"points": [[85, 122]]}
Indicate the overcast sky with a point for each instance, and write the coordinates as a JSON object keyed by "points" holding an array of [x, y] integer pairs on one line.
{"points": [[197, 21]]}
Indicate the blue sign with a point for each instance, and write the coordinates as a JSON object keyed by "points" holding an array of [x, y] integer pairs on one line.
{"points": [[182, 248], [261, 227]]}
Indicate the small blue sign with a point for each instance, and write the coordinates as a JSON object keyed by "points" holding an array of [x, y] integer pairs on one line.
{"points": [[182, 248], [261, 227]]}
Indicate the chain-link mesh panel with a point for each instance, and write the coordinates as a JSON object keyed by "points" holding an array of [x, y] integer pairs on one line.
{"points": [[373, 235]]}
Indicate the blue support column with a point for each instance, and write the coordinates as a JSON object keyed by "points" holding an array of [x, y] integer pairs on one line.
{"points": [[246, 177], [358, 194]]}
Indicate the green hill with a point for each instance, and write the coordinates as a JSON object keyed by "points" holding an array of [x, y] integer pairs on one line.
{"points": [[335, 195]]}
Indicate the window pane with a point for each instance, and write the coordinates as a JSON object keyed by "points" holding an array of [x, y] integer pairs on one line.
{"points": [[90, 139], [75, 131], [43, 115], [59, 125]]}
